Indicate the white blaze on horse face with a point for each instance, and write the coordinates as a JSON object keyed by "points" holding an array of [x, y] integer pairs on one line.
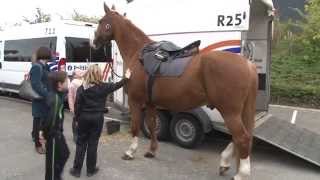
{"points": [[133, 147], [244, 170], [226, 156], [92, 44]]}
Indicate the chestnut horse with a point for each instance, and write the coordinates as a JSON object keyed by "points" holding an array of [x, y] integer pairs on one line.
{"points": [[223, 80]]}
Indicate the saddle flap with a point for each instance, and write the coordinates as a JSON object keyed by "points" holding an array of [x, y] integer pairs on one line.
{"points": [[167, 57]]}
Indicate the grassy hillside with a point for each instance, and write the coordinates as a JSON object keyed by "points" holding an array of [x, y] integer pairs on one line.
{"points": [[293, 81]]}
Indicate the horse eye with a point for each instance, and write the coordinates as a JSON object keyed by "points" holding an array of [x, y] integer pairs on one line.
{"points": [[108, 26]]}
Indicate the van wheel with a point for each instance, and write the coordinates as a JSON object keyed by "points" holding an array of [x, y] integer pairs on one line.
{"points": [[186, 130], [162, 126]]}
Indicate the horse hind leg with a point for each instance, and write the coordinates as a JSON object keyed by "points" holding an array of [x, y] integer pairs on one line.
{"points": [[241, 142], [248, 120], [135, 128], [151, 113]]}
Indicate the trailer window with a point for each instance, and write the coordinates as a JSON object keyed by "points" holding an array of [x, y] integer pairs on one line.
{"points": [[79, 50], [21, 50], [0, 50]]}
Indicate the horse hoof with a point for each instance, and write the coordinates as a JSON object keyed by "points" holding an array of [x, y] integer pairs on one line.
{"points": [[127, 157], [223, 170], [238, 178], [149, 155]]}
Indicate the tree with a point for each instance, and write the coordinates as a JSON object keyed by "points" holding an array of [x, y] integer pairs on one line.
{"points": [[81, 17], [310, 38], [40, 17]]}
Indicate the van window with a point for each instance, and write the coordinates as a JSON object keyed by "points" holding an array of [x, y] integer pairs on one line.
{"points": [[0, 50], [22, 49], [79, 50]]}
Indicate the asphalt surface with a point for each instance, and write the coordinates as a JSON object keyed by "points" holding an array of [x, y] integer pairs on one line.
{"points": [[19, 161]]}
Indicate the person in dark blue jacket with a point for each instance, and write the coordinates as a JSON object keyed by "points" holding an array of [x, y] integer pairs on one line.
{"points": [[39, 82], [51, 134]]}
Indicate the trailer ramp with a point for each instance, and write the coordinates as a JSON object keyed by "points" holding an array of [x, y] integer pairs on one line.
{"points": [[291, 138]]}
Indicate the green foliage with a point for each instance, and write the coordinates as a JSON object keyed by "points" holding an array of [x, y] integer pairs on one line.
{"points": [[40, 17], [310, 38], [295, 82], [81, 17], [295, 76]]}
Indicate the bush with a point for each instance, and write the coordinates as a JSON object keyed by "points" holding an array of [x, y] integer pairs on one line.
{"points": [[295, 72], [294, 82]]}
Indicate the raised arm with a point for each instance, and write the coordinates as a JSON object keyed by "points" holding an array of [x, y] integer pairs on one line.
{"points": [[110, 87]]}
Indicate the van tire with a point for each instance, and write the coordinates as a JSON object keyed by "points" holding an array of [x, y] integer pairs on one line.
{"points": [[186, 130]]}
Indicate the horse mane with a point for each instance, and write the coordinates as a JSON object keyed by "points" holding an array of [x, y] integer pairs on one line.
{"points": [[133, 28]]}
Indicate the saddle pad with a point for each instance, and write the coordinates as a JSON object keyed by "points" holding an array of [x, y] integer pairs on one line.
{"points": [[168, 68], [174, 68], [164, 59]]}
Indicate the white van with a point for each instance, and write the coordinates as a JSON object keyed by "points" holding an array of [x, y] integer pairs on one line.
{"points": [[241, 26], [67, 39]]}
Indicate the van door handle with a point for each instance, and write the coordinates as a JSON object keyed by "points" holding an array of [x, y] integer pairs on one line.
{"points": [[0, 65]]}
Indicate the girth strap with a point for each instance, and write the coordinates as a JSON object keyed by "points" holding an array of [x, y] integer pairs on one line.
{"points": [[151, 80]]}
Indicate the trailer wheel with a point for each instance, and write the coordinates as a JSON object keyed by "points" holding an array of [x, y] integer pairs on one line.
{"points": [[162, 126], [186, 130]]}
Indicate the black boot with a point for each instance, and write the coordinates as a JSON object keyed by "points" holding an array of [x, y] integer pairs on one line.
{"points": [[92, 172], [75, 172]]}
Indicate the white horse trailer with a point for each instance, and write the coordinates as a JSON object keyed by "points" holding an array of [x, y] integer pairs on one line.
{"points": [[242, 26], [69, 40]]}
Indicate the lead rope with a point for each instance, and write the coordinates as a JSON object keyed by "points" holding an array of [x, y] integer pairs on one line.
{"points": [[114, 73]]}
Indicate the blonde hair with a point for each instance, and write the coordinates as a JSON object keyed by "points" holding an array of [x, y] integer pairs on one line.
{"points": [[93, 75]]}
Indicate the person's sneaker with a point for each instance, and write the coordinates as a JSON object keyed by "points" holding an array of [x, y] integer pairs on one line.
{"points": [[91, 173], [74, 172], [40, 150]]}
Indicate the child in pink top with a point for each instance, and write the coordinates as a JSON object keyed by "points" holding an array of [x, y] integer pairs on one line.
{"points": [[73, 86]]}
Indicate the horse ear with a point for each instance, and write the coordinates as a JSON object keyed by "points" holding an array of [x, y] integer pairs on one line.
{"points": [[113, 7], [106, 8]]}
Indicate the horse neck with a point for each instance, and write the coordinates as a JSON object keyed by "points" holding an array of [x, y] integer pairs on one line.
{"points": [[130, 39]]}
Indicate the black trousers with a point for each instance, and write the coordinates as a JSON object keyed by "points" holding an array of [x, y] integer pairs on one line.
{"points": [[36, 124], [89, 131], [56, 156], [74, 129]]}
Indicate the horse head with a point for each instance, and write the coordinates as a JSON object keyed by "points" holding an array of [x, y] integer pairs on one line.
{"points": [[105, 30]]}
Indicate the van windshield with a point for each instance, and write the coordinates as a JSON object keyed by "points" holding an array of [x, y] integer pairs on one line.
{"points": [[22, 49], [79, 50]]}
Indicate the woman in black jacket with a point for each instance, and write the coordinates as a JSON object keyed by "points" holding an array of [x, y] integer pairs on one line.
{"points": [[89, 109], [39, 82]]}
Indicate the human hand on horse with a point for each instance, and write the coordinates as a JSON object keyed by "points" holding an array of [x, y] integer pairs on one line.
{"points": [[127, 75]]}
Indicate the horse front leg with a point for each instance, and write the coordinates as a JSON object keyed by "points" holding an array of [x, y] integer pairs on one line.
{"points": [[135, 109], [151, 113], [226, 157]]}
